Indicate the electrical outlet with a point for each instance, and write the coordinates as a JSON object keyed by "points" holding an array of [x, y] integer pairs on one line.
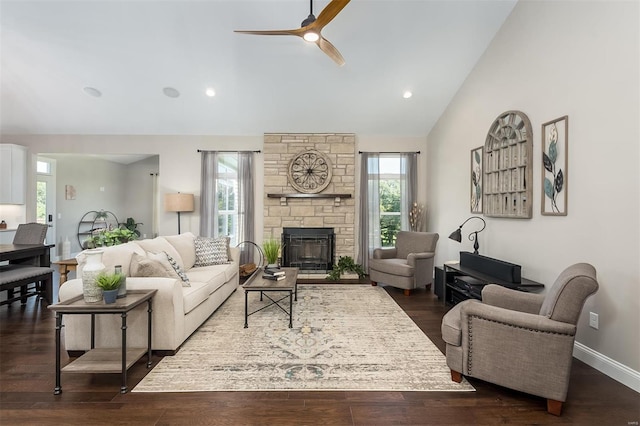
{"points": [[593, 320]]}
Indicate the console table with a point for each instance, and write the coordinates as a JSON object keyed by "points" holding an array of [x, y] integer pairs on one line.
{"points": [[445, 288], [104, 360]]}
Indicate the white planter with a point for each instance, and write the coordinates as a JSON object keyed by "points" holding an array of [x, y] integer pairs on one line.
{"points": [[94, 266]]}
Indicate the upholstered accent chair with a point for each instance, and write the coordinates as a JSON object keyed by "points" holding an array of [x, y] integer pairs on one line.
{"points": [[408, 265], [520, 340]]}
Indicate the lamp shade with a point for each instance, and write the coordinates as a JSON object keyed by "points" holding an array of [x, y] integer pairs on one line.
{"points": [[456, 235], [178, 202]]}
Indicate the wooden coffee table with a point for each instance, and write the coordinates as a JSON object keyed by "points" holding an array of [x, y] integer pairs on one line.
{"points": [[257, 283]]}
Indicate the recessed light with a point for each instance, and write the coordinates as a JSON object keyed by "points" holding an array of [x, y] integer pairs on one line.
{"points": [[210, 92], [92, 91], [171, 92], [407, 94]]}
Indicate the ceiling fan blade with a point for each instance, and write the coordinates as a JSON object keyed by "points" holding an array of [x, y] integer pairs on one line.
{"points": [[330, 50], [330, 12], [297, 32]]}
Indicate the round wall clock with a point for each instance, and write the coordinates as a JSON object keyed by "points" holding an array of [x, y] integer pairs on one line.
{"points": [[310, 172]]}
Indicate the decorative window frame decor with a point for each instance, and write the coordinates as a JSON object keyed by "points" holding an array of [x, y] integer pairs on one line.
{"points": [[476, 179], [507, 167], [555, 159]]}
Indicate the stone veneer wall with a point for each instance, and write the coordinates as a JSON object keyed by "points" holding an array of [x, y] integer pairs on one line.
{"points": [[279, 149]]}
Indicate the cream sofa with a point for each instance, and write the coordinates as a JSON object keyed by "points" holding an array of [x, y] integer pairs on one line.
{"points": [[177, 310]]}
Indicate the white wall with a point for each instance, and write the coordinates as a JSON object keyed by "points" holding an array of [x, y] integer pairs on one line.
{"points": [[551, 59], [180, 163]]}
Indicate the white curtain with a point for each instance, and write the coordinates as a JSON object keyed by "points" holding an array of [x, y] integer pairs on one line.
{"points": [[369, 211], [244, 203], [208, 198]]}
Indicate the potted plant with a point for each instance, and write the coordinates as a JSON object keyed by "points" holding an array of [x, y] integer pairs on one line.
{"points": [[271, 248], [132, 226], [110, 237], [345, 264], [109, 283]]}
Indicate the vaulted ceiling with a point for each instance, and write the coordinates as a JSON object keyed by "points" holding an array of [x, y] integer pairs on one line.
{"points": [[131, 50]]}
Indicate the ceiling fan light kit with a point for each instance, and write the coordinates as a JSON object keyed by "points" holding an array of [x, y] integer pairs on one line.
{"points": [[311, 29]]}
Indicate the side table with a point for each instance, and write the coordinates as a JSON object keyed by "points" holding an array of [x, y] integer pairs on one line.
{"points": [[104, 360], [64, 267]]}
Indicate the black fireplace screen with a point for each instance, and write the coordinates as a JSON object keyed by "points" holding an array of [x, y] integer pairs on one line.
{"points": [[310, 249]]}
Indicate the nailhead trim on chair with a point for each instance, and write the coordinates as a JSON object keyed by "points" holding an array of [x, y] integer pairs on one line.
{"points": [[470, 334]]}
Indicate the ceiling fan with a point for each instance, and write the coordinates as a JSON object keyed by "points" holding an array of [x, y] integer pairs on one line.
{"points": [[311, 27]]}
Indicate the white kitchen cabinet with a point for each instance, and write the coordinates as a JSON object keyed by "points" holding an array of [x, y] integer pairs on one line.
{"points": [[13, 174]]}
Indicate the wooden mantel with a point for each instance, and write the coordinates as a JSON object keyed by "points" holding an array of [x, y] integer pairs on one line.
{"points": [[284, 197]]}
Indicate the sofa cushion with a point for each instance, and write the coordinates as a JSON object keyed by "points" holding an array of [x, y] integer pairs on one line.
{"points": [[392, 266], [213, 275], [159, 245], [185, 246], [211, 251], [194, 296], [112, 256]]}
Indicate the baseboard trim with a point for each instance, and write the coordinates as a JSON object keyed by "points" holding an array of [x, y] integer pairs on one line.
{"points": [[612, 368]]}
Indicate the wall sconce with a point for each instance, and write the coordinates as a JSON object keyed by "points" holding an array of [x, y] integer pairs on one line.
{"points": [[179, 203], [473, 236]]}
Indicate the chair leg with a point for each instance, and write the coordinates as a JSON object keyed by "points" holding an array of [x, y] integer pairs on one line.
{"points": [[554, 407], [373, 283], [407, 292], [456, 377]]}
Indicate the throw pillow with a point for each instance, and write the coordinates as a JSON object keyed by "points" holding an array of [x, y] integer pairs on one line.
{"points": [[211, 251], [178, 270], [143, 266]]}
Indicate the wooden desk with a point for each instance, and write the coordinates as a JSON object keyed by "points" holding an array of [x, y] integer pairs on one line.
{"points": [[64, 267]]}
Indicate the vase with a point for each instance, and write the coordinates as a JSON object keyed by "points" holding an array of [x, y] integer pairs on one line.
{"points": [[92, 268], [110, 296], [122, 289]]}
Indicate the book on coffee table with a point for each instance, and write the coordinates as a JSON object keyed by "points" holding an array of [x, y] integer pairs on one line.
{"points": [[273, 271], [274, 277]]}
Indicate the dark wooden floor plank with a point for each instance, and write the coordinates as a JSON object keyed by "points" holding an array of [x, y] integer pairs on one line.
{"points": [[27, 362]]}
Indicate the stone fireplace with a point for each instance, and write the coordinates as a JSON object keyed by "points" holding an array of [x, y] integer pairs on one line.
{"points": [[333, 207], [310, 249]]}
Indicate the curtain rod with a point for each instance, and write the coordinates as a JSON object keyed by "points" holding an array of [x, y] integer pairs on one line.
{"points": [[206, 150], [389, 152]]}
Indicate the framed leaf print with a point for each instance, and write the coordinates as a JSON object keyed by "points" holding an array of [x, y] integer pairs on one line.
{"points": [[555, 141], [476, 180]]}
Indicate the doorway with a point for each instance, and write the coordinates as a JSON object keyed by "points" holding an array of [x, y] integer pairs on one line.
{"points": [[46, 196]]}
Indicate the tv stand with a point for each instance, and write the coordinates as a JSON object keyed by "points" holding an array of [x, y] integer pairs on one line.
{"points": [[446, 289]]}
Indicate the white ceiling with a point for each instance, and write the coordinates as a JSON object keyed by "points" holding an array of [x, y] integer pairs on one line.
{"points": [[131, 50]]}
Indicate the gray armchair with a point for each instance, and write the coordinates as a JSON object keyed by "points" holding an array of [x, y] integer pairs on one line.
{"points": [[520, 340], [408, 265]]}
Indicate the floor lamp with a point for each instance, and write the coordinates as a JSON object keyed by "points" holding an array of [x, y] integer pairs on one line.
{"points": [[179, 203]]}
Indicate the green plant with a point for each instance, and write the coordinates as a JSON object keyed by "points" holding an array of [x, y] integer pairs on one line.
{"points": [[131, 225], [271, 248], [113, 237], [108, 281], [345, 264]]}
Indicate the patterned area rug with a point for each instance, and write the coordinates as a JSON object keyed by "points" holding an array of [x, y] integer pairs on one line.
{"points": [[344, 337]]}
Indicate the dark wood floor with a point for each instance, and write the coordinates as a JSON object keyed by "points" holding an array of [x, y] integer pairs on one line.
{"points": [[27, 363]]}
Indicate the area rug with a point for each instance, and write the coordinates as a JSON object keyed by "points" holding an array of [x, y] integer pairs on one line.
{"points": [[344, 337]]}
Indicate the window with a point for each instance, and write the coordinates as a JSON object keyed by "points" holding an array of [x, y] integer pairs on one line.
{"points": [[227, 196], [390, 199]]}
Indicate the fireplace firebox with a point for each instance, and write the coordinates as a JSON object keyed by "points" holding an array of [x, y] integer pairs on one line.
{"points": [[310, 249]]}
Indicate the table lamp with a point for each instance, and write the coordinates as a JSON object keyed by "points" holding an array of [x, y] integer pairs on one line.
{"points": [[179, 203], [473, 236]]}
